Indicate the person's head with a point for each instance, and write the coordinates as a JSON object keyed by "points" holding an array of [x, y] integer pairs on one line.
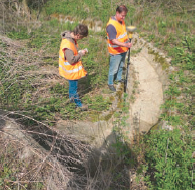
{"points": [[121, 12], [80, 31]]}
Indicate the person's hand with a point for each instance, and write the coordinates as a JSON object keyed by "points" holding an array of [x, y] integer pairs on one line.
{"points": [[128, 45], [83, 51]]}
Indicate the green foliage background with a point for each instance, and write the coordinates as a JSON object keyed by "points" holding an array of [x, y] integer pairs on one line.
{"points": [[169, 25]]}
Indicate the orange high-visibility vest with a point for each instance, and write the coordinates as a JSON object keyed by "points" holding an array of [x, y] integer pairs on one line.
{"points": [[120, 36], [66, 70]]}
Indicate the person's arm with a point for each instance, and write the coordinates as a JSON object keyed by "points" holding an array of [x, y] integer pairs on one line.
{"points": [[122, 44], [111, 30], [70, 57]]}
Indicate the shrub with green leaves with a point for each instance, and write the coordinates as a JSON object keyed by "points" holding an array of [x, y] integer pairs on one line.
{"points": [[168, 155], [82, 9]]}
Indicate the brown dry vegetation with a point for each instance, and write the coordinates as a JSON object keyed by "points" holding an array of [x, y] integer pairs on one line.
{"points": [[25, 165]]}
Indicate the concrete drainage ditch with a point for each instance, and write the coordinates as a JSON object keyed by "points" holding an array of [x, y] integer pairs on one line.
{"points": [[148, 70], [151, 78]]}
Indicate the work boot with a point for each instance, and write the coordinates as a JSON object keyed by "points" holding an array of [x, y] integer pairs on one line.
{"points": [[84, 107], [111, 87]]}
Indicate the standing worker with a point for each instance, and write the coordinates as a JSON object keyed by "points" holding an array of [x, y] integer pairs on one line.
{"points": [[70, 65], [118, 45]]}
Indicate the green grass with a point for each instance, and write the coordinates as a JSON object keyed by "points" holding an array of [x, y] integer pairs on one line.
{"points": [[82, 9], [169, 160], [20, 34], [170, 26], [19, 95]]}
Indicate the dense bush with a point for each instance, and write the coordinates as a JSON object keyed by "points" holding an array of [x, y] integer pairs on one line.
{"points": [[168, 155]]}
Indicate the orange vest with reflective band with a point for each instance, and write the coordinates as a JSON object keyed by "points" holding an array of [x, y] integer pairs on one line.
{"points": [[120, 36], [70, 71]]}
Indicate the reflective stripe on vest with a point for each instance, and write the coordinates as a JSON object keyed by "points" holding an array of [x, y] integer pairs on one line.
{"points": [[70, 71], [114, 46], [65, 63], [121, 36]]}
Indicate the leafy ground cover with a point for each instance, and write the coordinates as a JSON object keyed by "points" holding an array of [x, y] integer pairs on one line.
{"points": [[169, 25], [39, 89]]}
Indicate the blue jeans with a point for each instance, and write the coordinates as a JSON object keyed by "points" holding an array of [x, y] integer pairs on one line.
{"points": [[116, 67], [73, 85]]}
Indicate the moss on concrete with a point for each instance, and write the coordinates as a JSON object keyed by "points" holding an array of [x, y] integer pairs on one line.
{"points": [[159, 59], [94, 116], [108, 116], [111, 98], [134, 52], [135, 41], [119, 95]]}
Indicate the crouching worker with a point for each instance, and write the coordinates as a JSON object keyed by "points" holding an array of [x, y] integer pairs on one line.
{"points": [[70, 65]]}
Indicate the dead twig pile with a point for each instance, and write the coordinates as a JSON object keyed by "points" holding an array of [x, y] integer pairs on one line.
{"points": [[39, 156]]}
